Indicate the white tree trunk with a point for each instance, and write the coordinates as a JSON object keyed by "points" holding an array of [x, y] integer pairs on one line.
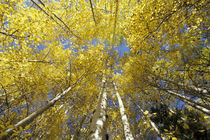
{"points": [[35, 114], [127, 131], [196, 105], [97, 128], [199, 106], [200, 92]]}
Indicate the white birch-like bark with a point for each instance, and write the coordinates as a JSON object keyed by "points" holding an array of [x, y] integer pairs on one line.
{"points": [[196, 105], [97, 128], [200, 92], [35, 114], [127, 131], [199, 106], [194, 88]]}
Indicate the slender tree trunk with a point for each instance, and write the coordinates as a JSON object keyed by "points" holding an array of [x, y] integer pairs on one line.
{"points": [[201, 91], [127, 131], [191, 90], [199, 106], [97, 128], [151, 123], [196, 105], [35, 114]]}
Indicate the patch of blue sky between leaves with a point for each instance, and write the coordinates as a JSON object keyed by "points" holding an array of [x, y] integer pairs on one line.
{"points": [[123, 48]]}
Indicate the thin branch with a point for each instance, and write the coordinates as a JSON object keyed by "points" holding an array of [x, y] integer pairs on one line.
{"points": [[115, 23], [6, 99], [91, 5], [41, 110], [36, 61], [13, 36], [55, 17]]}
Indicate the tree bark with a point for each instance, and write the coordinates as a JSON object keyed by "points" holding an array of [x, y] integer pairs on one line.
{"points": [[97, 128], [35, 114], [127, 131], [189, 89], [199, 106], [196, 105]]}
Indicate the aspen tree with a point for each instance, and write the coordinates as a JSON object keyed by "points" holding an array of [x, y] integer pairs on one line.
{"points": [[126, 127], [98, 124]]}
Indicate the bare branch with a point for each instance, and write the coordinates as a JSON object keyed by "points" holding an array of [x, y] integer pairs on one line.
{"points": [[91, 5]]}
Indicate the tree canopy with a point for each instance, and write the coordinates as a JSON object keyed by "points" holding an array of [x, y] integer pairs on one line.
{"points": [[65, 72]]}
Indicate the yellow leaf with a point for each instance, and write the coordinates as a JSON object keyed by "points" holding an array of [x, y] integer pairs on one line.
{"points": [[14, 134], [186, 126], [3, 133], [27, 127], [170, 127], [114, 115], [146, 112], [2, 126], [8, 123], [29, 134], [206, 117], [165, 130], [10, 126], [148, 125], [174, 138], [21, 128], [201, 130]]}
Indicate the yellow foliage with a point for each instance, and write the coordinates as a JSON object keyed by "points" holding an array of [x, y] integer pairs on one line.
{"points": [[174, 138], [46, 46], [186, 126], [146, 112]]}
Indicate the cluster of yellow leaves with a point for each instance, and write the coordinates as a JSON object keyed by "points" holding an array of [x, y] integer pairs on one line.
{"points": [[157, 20], [35, 60], [158, 37]]}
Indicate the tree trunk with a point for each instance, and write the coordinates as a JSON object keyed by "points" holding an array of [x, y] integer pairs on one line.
{"points": [[199, 106], [97, 128], [191, 90], [127, 131], [151, 122], [35, 114], [196, 105]]}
